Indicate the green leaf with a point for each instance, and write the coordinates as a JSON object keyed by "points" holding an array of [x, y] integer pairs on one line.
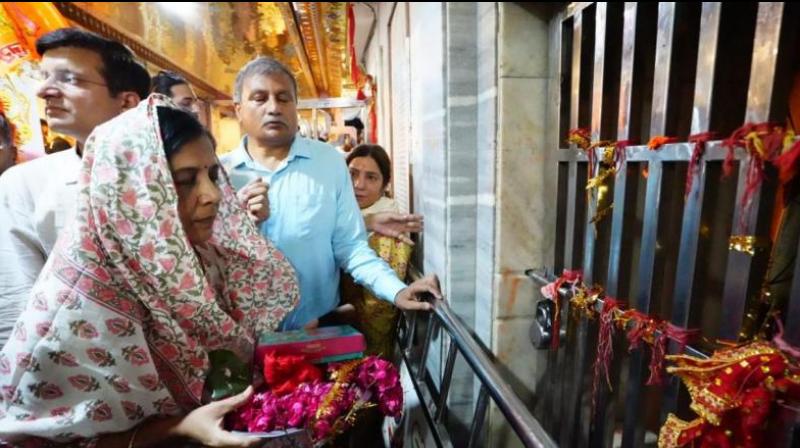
{"points": [[228, 375]]}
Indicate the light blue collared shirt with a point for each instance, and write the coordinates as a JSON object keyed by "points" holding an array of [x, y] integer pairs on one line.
{"points": [[315, 221]]}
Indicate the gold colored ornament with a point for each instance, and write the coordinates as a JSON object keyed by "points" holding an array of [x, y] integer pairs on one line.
{"points": [[748, 244]]}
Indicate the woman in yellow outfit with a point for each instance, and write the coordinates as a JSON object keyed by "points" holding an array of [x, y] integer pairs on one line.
{"points": [[370, 169]]}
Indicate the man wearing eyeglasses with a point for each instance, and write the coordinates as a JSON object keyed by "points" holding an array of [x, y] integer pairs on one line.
{"points": [[85, 80]]}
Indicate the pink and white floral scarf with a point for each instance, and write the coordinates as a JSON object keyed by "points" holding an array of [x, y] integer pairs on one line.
{"points": [[120, 321]]}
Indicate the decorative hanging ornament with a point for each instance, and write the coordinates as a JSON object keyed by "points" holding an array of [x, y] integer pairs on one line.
{"points": [[733, 393]]}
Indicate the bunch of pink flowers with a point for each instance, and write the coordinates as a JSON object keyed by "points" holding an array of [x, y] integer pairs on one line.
{"points": [[325, 407]]}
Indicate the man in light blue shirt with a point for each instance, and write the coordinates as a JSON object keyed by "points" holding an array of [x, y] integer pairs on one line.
{"points": [[313, 216]]}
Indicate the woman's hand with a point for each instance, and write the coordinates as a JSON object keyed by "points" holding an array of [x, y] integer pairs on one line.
{"points": [[204, 424], [395, 225], [254, 196]]}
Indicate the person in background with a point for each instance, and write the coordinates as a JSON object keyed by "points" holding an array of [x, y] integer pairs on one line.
{"points": [[8, 148], [370, 169], [359, 127], [178, 90], [86, 80]]}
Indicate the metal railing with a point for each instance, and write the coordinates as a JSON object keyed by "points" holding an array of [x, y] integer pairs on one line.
{"points": [[529, 431]]}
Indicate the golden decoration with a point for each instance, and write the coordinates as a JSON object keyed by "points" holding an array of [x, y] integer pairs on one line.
{"points": [[310, 38], [748, 244]]}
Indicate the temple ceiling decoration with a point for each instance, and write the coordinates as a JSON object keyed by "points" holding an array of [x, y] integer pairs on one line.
{"points": [[209, 42]]}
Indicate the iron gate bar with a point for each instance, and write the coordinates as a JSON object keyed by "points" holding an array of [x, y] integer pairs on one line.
{"points": [[677, 152], [569, 235], [623, 133], [479, 418], [741, 269], [406, 340], [598, 437], [565, 218], [528, 429], [570, 390], [632, 431], [524, 424], [425, 349], [690, 230], [601, 45], [759, 95], [642, 298], [663, 63], [692, 212], [446, 380], [598, 67]]}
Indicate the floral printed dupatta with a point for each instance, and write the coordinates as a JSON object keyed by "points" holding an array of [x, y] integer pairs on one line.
{"points": [[120, 322]]}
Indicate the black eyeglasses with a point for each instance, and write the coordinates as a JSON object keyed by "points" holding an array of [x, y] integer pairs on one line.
{"points": [[63, 78]]}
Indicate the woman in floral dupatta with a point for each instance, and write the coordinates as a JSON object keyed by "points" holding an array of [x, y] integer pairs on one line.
{"points": [[161, 266]]}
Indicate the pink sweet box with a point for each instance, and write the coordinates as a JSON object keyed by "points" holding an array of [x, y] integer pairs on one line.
{"points": [[320, 345]]}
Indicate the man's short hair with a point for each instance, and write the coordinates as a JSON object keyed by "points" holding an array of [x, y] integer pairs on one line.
{"points": [[165, 80], [260, 66], [121, 71]]}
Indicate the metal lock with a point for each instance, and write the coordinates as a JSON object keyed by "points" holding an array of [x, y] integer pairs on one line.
{"points": [[542, 327]]}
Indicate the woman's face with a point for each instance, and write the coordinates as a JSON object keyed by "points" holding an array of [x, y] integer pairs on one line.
{"points": [[195, 172], [367, 180]]}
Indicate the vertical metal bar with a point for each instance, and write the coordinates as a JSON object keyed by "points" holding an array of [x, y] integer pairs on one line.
{"points": [[411, 328], [666, 26], [580, 360], [706, 61], [597, 418], [551, 399], [626, 73], [446, 380], [552, 404], [623, 133], [572, 410], [597, 108], [693, 208], [765, 57], [560, 409], [568, 388], [479, 418], [571, 416], [620, 183], [577, 28], [759, 94], [632, 432], [425, 349], [589, 234], [552, 370], [600, 25], [569, 243]]}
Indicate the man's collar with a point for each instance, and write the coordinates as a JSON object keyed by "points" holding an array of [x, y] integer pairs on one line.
{"points": [[239, 155], [299, 148]]}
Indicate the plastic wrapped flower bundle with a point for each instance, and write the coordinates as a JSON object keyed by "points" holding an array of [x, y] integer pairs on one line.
{"points": [[297, 396]]}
